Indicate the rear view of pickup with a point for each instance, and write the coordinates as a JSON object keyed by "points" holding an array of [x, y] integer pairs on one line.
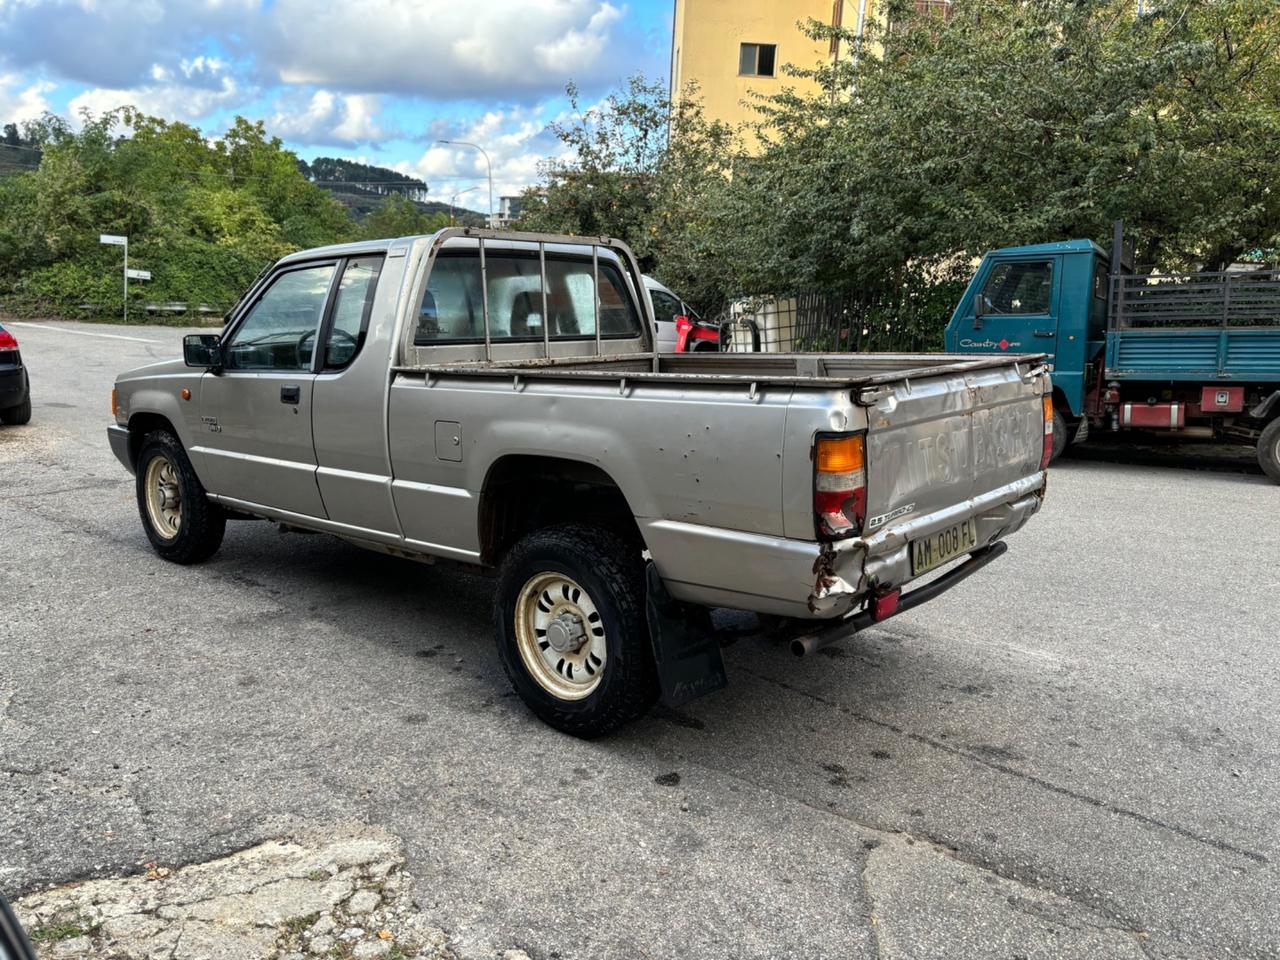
{"points": [[495, 399]]}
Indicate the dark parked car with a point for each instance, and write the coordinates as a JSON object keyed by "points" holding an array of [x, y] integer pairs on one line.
{"points": [[15, 387]]}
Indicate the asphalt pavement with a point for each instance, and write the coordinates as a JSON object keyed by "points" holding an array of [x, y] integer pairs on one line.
{"points": [[1075, 753]]}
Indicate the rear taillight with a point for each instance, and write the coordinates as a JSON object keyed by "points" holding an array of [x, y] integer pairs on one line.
{"points": [[7, 341], [1047, 455], [683, 327], [839, 486]]}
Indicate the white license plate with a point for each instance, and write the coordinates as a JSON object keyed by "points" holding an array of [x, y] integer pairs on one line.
{"points": [[935, 550]]}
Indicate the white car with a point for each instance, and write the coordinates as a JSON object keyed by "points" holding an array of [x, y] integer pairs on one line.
{"points": [[666, 307]]}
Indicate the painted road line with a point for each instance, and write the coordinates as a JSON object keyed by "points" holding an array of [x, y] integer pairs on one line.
{"points": [[78, 333]]}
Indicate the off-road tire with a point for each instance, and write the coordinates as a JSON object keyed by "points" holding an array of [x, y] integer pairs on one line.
{"points": [[17, 416], [203, 522], [611, 571], [1269, 450], [1062, 434]]}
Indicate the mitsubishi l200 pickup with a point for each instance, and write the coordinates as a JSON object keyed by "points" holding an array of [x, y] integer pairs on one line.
{"points": [[496, 399]]}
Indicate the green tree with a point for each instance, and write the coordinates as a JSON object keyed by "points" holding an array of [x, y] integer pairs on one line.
{"points": [[398, 216]]}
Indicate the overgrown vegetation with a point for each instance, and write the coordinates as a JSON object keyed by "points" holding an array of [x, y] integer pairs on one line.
{"points": [[1013, 123], [203, 216]]}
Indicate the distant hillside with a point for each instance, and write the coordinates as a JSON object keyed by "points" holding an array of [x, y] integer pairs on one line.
{"points": [[360, 187]]}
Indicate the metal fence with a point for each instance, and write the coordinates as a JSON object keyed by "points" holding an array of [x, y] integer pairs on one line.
{"points": [[827, 323]]}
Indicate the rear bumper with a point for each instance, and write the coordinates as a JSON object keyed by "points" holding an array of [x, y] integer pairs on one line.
{"points": [[118, 437], [13, 386], [801, 578]]}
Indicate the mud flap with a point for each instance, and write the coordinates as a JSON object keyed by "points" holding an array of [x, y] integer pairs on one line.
{"points": [[688, 656]]}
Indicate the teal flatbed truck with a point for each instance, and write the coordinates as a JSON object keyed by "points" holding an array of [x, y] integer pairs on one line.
{"points": [[1195, 355]]}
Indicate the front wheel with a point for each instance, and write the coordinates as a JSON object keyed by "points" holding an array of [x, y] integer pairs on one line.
{"points": [[182, 524], [1269, 450], [571, 629]]}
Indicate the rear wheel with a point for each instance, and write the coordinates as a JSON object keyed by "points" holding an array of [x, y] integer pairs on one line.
{"points": [[1060, 435], [571, 629], [1269, 450], [17, 416], [181, 522]]}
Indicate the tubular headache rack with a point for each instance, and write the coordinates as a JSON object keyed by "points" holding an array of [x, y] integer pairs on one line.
{"points": [[620, 249]]}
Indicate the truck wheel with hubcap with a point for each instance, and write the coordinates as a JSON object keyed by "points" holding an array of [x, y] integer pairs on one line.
{"points": [[181, 522], [1269, 450], [572, 631]]}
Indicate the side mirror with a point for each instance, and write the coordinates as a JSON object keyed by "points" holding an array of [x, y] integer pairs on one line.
{"points": [[202, 350], [14, 944], [980, 307]]}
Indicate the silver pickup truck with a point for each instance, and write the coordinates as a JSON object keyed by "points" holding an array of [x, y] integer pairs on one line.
{"points": [[495, 399]]}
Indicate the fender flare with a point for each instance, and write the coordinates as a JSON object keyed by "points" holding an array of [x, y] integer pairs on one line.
{"points": [[1270, 405]]}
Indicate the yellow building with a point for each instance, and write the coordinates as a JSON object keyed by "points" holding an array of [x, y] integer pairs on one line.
{"points": [[733, 48]]}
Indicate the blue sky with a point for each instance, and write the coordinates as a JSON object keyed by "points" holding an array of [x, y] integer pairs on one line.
{"points": [[373, 80]]}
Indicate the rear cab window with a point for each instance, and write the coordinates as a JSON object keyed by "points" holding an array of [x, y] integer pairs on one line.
{"points": [[520, 310]]}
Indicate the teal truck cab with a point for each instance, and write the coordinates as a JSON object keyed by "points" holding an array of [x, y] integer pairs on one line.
{"points": [[1191, 355]]}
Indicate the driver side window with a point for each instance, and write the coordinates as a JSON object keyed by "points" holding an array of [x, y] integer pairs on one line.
{"points": [[280, 331]]}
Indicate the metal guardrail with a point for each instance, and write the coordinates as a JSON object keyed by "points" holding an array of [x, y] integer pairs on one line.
{"points": [[1196, 300]]}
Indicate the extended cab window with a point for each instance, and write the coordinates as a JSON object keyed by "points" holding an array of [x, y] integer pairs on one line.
{"points": [[1023, 287], [279, 332], [452, 309], [351, 311]]}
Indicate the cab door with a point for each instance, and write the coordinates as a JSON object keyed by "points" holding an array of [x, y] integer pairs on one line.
{"points": [[256, 410], [1019, 308]]}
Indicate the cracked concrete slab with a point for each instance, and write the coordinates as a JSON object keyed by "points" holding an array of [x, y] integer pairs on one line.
{"points": [[341, 892], [926, 904]]}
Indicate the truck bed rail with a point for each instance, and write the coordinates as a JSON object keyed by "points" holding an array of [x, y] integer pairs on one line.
{"points": [[1200, 300]]}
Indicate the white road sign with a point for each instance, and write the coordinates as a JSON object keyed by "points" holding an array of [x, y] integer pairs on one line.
{"points": [[112, 239], [138, 274]]}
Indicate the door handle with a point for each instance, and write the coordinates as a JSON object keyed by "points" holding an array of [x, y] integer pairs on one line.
{"points": [[1045, 333], [290, 394]]}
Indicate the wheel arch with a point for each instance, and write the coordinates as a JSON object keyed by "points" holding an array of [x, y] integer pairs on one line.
{"points": [[143, 423], [526, 492]]}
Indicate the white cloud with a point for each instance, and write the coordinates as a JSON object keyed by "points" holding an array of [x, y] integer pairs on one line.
{"points": [[116, 44], [442, 48], [168, 95], [329, 118], [517, 141], [17, 105]]}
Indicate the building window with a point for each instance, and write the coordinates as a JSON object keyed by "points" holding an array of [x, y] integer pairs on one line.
{"points": [[757, 59]]}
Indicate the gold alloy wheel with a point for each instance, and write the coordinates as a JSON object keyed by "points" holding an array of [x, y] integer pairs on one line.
{"points": [[164, 497], [560, 636]]}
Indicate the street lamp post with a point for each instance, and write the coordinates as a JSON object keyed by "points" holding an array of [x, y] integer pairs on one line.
{"points": [[453, 203], [488, 166]]}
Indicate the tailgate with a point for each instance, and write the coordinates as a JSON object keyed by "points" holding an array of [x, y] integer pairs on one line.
{"points": [[935, 442]]}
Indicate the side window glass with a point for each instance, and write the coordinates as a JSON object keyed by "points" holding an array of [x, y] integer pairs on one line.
{"points": [[1101, 281], [1020, 288], [451, 308], [665, 307], [351, 311], [279, 332]]}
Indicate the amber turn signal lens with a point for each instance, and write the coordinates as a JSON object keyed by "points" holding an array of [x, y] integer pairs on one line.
{"points": [[840, 454], [113, 401], [1048, 408], [186, 394]]}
